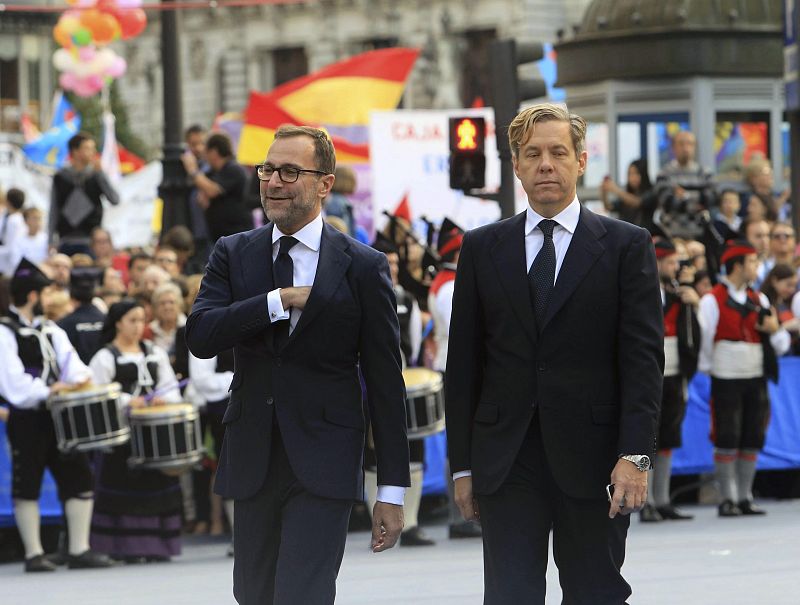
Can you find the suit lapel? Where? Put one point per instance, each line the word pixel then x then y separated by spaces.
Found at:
pixel 584 250
pixel 508 255
pixel 256 260
pixel 257 263
pixel 333 264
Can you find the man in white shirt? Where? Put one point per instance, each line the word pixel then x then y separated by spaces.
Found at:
pixel 741 339
pixel 37 361
pixel 305 309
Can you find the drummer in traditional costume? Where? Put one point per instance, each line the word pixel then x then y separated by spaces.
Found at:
pixel 410 320
pixel 37 360
pixel 138 511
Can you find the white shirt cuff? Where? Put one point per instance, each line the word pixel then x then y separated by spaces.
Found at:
pixel 461 474
pixel 391 494
pixel 275 306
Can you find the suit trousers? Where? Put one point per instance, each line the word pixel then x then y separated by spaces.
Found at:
pixel 288 542
pixel 588 547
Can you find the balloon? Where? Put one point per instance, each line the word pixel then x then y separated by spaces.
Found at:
pixel 95 81
pixel 118 68
pixel 82 37
pixel 104 60
pixel 86 53
pixel 62 36
pixel 105 29
pixel 129 3
pixel 132 22
pixel 67 80
pixel 63 60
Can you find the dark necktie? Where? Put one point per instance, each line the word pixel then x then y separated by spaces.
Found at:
pixel 543 272
pixel 283 272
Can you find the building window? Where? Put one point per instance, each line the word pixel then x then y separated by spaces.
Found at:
pixel 288 64
pixel 9 95
pixel 475 82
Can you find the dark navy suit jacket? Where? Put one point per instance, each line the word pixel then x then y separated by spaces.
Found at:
pixel 311 385
pixel 593 370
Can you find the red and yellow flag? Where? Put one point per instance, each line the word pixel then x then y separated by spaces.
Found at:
pixel 340 95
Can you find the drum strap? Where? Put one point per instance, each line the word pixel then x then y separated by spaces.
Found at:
pixel 146 370
pixel 50 371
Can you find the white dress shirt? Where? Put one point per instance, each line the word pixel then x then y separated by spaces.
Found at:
pixel 23 390
pixel 566 223
pixel 305 258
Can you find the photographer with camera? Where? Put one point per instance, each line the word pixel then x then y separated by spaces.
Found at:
pixel 685 191
pixel 681 346
pixel 741 339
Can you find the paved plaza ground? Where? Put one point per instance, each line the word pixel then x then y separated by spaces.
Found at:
pixel 709 561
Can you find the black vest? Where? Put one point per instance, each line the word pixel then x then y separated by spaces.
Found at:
pixel 29 348
pixel 127 372
pixel 405 303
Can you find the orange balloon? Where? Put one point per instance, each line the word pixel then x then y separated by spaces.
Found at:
pixel 106 29
pixel 61 36
pixel 90 19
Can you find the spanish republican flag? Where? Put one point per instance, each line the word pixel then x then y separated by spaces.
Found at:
pixel 340 95
pixel 344 93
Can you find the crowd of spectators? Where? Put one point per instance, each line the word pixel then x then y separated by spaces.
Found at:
pixel 688 206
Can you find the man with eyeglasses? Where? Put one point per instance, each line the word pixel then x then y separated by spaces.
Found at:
pixel 782 243
pixel 306 310
pixel 221 191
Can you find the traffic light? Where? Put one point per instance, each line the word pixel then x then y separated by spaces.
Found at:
pixel 467 157
pixel 509 90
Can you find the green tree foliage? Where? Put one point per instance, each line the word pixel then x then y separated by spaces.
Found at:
pixel 91 111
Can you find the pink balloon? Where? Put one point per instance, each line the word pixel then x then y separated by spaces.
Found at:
pixel 95 81
pixel 68 80
pixel 118 68
pixel 129 3
pixel 86 53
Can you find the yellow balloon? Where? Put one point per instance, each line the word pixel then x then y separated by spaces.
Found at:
pixel 69 24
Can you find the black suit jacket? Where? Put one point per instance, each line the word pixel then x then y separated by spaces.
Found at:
pixel 312 383
pixel 593 370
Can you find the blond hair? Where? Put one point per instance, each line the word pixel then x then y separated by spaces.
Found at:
pixel 520 128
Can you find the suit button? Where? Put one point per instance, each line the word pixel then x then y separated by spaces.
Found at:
pixel 542 367
pixel 270 400
pixel 278 361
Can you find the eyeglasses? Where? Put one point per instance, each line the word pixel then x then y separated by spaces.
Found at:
pixel 288 174
pixel 782 235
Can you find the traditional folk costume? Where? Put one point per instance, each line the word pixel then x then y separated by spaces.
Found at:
pixel 740 360
pixel 681 348
pixel 137 511
pixel 33 356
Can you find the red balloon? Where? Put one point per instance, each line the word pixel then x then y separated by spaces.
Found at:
pixel 132 22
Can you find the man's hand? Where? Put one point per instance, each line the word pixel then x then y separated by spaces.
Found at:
pixel 58 387
pixel 202 200
pixel 3 414
pixel 137 402
pixel 769 324
pixel 465 500
pixel 189 162
pixel 387 523
pixel 689 296
pixel 295 298
pixel 630 489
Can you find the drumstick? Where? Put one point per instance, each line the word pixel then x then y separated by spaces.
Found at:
pixel 178 385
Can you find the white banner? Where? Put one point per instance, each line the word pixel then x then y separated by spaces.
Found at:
pixel 409 155
pixel 130 223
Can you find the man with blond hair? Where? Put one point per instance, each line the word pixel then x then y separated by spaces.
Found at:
pixel 554 374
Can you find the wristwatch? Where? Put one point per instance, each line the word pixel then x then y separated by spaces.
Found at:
pixel 642 462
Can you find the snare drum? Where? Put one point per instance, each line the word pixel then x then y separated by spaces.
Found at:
pixel 425 402
pixel 165 437
pixel 88 418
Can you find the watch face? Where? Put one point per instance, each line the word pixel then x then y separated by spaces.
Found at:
pixel 644 463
